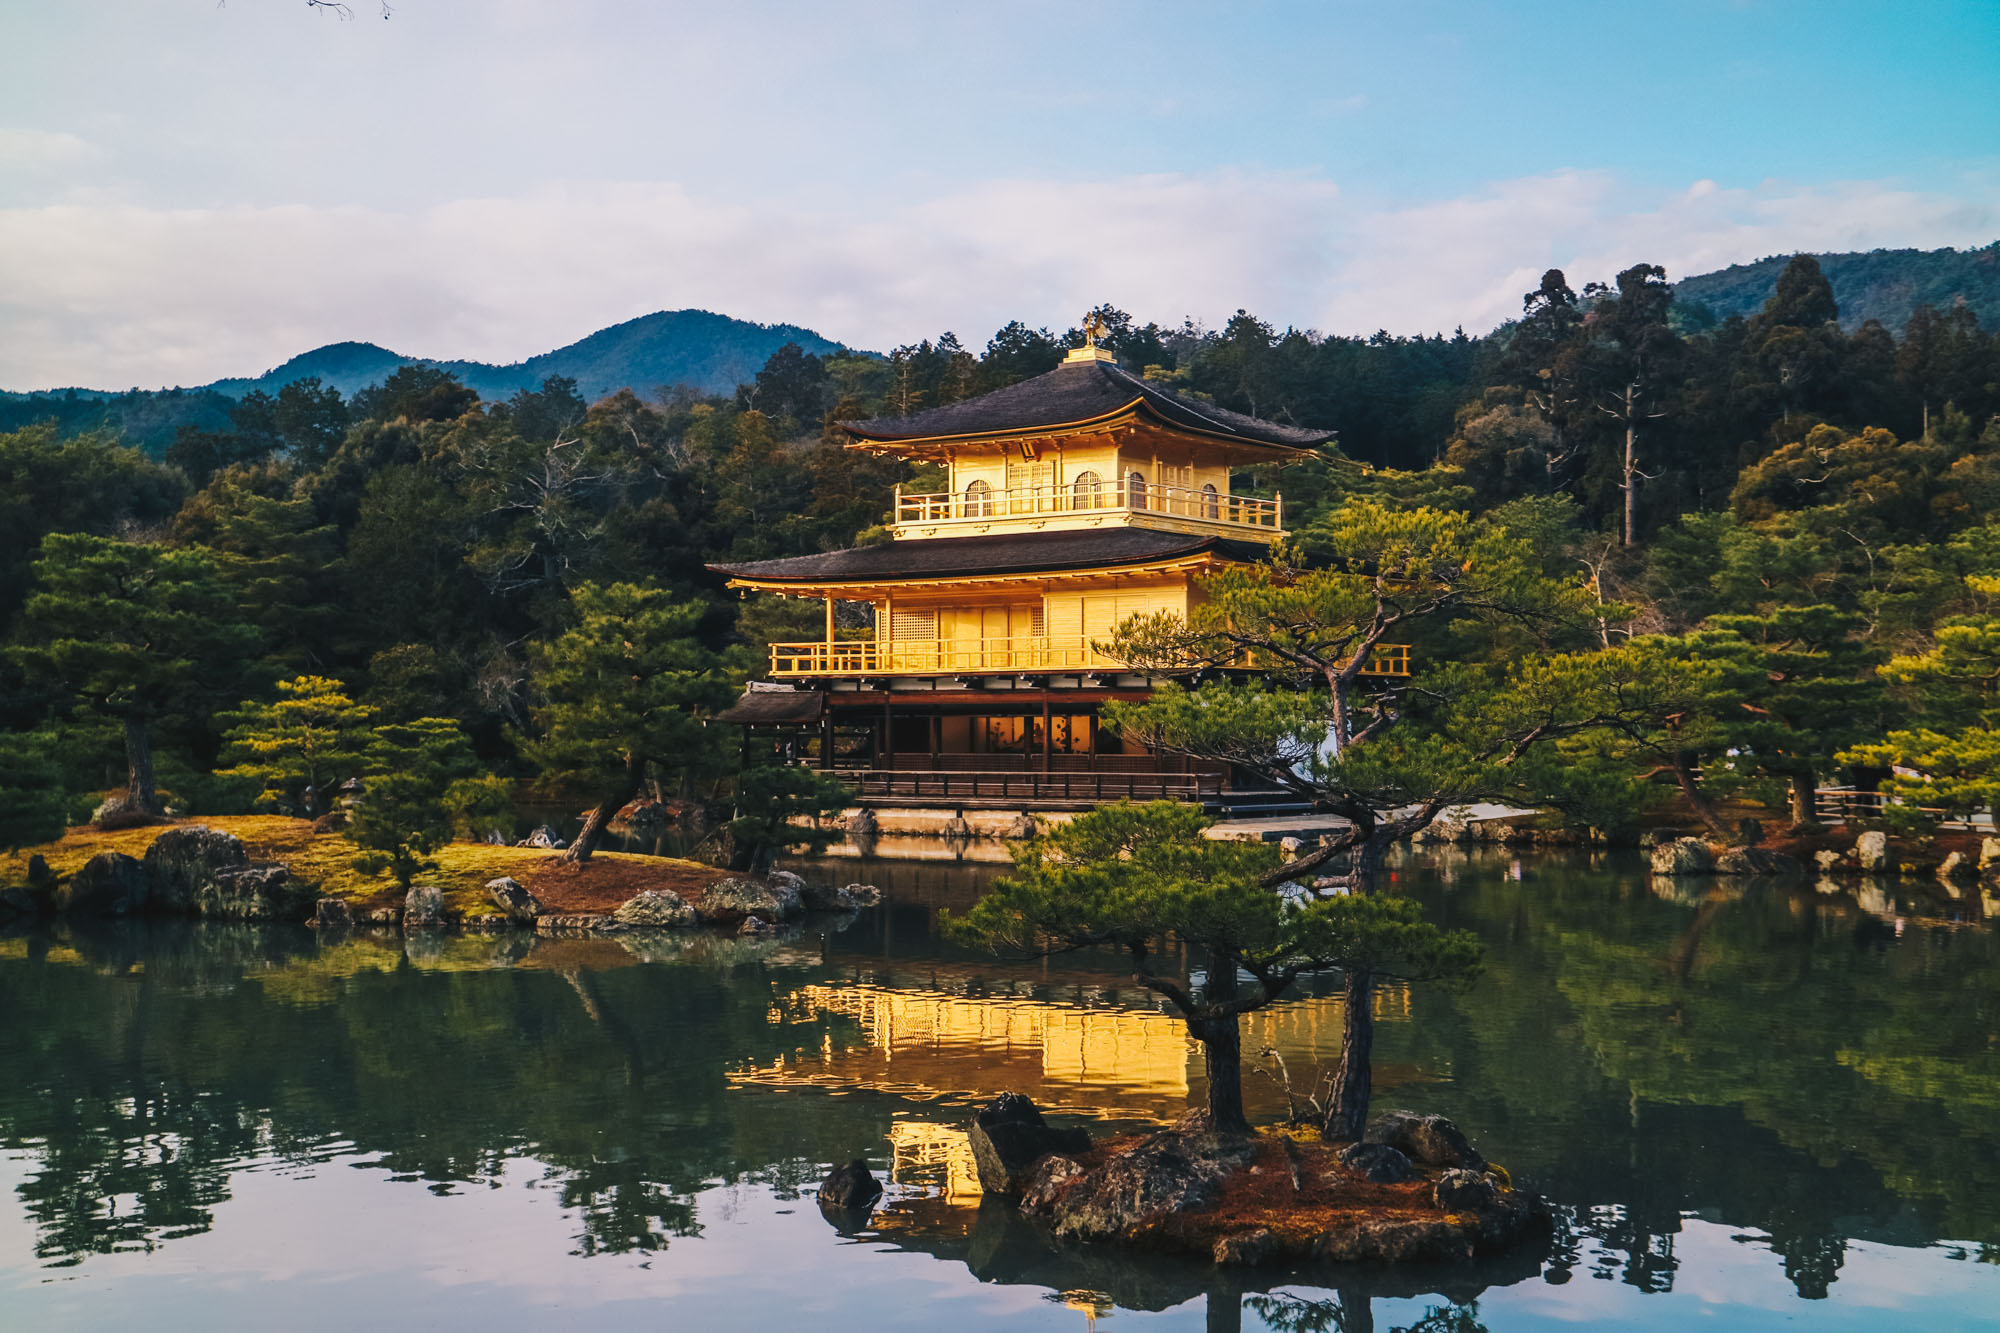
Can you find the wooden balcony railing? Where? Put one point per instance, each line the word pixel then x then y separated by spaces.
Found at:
pixel 974 505
pixel 919 657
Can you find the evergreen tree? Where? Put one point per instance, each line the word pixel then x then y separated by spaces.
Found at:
pixel 301 744
pixel 1129 876
pixel 135 634
pixel 624 688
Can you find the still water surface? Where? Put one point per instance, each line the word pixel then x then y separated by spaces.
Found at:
pixel 1772 1107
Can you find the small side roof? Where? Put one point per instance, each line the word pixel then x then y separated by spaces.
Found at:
pixel 768 704
pixel 1078 393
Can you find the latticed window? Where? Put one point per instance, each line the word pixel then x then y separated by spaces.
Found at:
pixel 1087 491
pixel 978 499
pixel 1135 488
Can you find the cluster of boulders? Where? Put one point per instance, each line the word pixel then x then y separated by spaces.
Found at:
pixel 188 871
pixel 1693 856
pixel 1873 853
pixel 1457 827
pixel 194 870
pixel 1172 1189
pixel 749 906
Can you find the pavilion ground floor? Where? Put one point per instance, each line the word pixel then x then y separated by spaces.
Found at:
pixel 1012 745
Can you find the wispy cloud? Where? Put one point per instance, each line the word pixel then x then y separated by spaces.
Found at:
pixel 114 295
pixel 31 149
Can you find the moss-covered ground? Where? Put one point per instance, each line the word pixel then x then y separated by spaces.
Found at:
pixel 325 860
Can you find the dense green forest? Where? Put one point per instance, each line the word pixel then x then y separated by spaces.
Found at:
pixel 1797 516
pixel 1886 286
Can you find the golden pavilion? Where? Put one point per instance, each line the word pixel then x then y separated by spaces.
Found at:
pixel 1074 500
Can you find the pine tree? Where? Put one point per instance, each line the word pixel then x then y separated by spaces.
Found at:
pixel 626 687
pixel 135 634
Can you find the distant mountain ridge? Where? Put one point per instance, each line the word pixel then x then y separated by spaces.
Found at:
pixel 712 352
pixel 1884 285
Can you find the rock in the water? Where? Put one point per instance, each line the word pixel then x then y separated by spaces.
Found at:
pixel 1757 861
pixel 576 923
pixel 1465 1192
pixel 1683 856
pixel 956 829
pixel 1989 853
pixel 1378 1162
pixel 656 908
pixel 845 898
pixel 731 900
pixel 755 925
pixel 850 1186
pixel 1956 868
pixel 544 837
pixel 1008 1136
pixel 863 824
pixel 182 865
pixel 1173 1171
pixel 514 900
pixel 1250 1247
pixel 1430 1140
pixel 255 893
pixel 1024 827
pixel 423 906
pixel 1827 860
pixel 1871 849
pixel 109 884
pixel 331 914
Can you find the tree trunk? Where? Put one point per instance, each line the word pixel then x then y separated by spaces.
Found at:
pixel 1805 798
pixel 593 827
pixel 1222 1048
pixel 1354 1079
pixel 1684 775
pixel 1631 470
pixel 139 784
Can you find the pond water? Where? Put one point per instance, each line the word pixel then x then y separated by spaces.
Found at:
pixel 1759 1108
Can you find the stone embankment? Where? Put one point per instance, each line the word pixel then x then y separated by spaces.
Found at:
pixel 1872 854
pixel 1413 1190
pixel 194 870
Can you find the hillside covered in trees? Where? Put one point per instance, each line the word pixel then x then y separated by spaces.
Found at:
pixel 1886 286
pixel 1797 519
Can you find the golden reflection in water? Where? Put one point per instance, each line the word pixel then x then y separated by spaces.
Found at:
pixel 932 1044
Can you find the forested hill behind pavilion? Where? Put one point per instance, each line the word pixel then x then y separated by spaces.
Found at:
pixel 707 352
pixel 1883 285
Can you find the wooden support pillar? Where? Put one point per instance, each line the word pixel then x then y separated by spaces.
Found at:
pixel 826 741
pixel 1048 731
pixel 888 734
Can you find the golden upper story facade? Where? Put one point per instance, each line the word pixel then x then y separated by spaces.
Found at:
pixel 1074 501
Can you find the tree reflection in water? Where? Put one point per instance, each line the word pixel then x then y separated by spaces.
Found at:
pixel 1808 1068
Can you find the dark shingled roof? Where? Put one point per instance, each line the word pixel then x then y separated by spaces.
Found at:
pixel 774 706
pixel 1080 391
pixel 1007 553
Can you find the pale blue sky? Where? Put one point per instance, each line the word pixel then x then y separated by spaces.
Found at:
pixel 189 190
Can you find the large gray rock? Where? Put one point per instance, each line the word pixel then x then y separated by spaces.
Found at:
pixel 656 908
pixel 1872 851
pixel 1009 1136
pixel 514 901
pixel 423 907
pixel 731 900
pixel 1683 856
pixel 1377 1162
pixel 109 884
pixel 182 865
pixel 1743 861
pixel 332 914
pixel 1429 1140
pixel 1461 1191
pixel 1989 853
pixel 544 837
pixel 1957 868
pixel 1175 1170
pixel 255 893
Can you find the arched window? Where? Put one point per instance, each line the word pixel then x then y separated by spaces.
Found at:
pixel 1211 501
pixel 1087 492
pixel 978 499
pixel 1135 490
